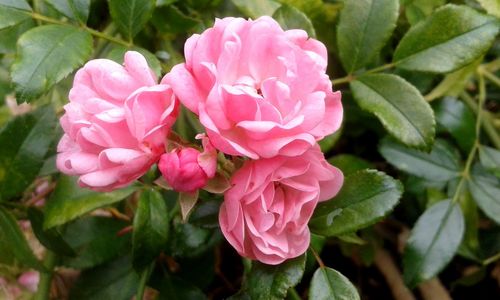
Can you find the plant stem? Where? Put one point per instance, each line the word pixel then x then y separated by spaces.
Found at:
pixel 486 120
pixel 318 259
pixel 144 280
pixel 470 158
pixel 45 283
pixel 96 33
pixel 292 294
pixel 351 77
pixel 491 77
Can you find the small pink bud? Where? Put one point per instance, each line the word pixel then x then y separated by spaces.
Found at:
pixel 184 171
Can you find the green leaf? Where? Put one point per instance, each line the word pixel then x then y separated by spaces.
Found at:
pixel 441 164
pixel 398 105
pixel 18 4
pixel 433 242
pixel 329 284
pixel 366 197
pixel 349 163
pixel 10 16
pixel 172 20
pixel 491 6
pixel 69 201
pixel 187 240
pixel 490 158
pixel 43 48
pixel 25 141
pixel 14 242
pixel 485 190
pixel 118 52
pixel 52 238
pixel 10 35
pixel 267 282
pixel 449 39
pixel 150 228
pixel 458 120
pixel 95 240
pixel 291 18
pixel 364 28
pixel 73 9
pixel 130 16
pixel 116 280
pixel 256 8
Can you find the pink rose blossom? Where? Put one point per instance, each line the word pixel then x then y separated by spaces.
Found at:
pixel 266 211
pixel 188 169
pixel 116 122
pixel 259 91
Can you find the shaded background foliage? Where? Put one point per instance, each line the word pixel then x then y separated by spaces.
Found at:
pixel 417 217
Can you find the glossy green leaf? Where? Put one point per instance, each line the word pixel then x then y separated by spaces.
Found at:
pixel 256 8
pixel 73 9
pixel 366 197
pixel 206 214
pixel 398 105
pixel 268 282
pixel 118 52
pixel 490 158
pixel 485 190
pixel 51 238
pixel 14 242
pixel 449 39
pixel 17 4
pixel 458 120
pixel 25 141
pixel 150 228
pixel 349 163
pixel 130 16
pixel 364 27
pixel 69 201
pixel 187 240
pixel 491 6
pixel 40 50
pixel 329 284
pixel 95 240
pixel 433 242
pixel 441 164
pixel 116 280
pixel 291 18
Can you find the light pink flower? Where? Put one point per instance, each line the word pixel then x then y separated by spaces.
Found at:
pixel 187 169
pixel 116 122
pixel 265 213
pixel 258 90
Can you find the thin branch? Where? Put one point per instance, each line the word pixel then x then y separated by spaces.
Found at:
pixel 96 33
pixel 392 275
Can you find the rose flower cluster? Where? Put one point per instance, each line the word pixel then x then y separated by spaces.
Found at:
pixel 260 92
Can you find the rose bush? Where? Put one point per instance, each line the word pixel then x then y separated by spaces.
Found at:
pixel 116 123
pixel 193 169
pixel 259 91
